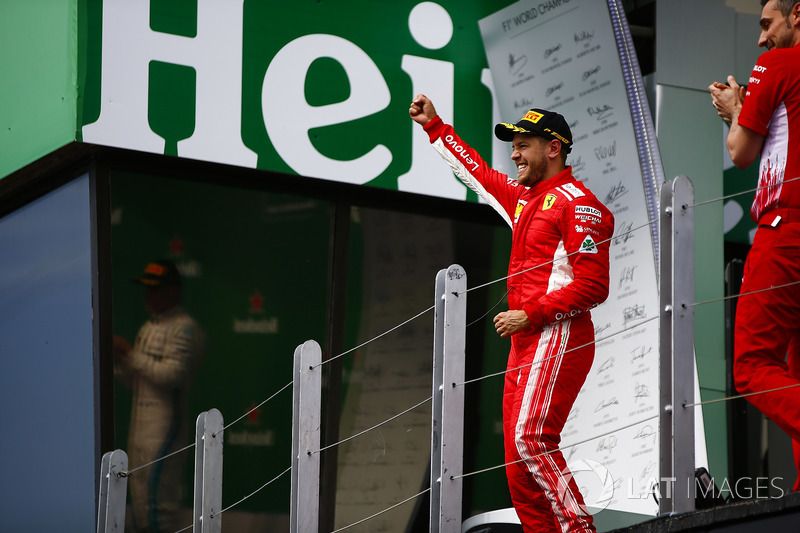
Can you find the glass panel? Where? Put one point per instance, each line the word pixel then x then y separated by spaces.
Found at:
pixel 254 269
pixel 394 258
pixel 47 383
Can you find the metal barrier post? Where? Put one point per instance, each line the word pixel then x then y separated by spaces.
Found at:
pixel 208 473
pixel 676 347
pixel 113 490
pixel 306 426
pixel 447 424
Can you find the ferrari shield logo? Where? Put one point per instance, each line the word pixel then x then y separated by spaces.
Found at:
pixel 549 200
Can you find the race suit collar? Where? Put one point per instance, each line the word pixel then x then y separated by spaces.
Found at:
pixel 562 177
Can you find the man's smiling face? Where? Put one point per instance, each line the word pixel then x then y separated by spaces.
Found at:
pixel 529 155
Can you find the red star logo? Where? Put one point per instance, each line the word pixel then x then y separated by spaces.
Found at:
pixel 252 416
pixel 176 247
pixel 256 300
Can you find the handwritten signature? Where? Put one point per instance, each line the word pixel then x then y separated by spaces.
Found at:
pixel 606 152
pixel 641 391
pixel 633 312
pixel 525 102
pixel 554 88
pixel 640 352
pixel 600 112
pixel 584 36
pixel 645 432
pixel 605 404
pixel 515 64
pixel 625 233
pixel 600 329
pixel 550 51
pixel 617 191
pixel 591 72
pixel 607 444
pixel 607 365
pixel 626 276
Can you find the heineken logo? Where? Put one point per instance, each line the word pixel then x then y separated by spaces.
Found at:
pixel 228 82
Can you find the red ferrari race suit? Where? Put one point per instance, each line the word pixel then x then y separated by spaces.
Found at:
pixel 558 270
pixel 768 322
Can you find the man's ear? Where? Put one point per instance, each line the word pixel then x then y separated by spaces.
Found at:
pixel 554 149
pixel 796 13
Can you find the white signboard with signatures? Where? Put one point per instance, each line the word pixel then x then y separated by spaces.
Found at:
pixel 562 55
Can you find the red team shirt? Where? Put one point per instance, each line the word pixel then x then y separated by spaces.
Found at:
pixel 772 108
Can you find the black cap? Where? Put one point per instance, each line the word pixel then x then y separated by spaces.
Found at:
pixel 159 273
pixel 539 122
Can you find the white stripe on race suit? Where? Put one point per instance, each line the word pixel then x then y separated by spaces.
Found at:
pixel 565 193
pixel 561 274
pixel 546 354
pixel 466 177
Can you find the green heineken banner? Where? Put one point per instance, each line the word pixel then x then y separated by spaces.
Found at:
pixel 320 89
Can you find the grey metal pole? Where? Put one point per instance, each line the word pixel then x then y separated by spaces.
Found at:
pixel 306 427
pixel 676 340
pixel 436 402
pixel 113 490
pixel 208 472
pixel 453 348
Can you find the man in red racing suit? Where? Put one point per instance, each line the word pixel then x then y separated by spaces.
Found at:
pixel 558 270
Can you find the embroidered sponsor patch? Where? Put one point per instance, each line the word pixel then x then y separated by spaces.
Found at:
pixel 588 215
pixel 588 246
pixel 520 206
pixel 532 116
pixel 584 229
pixel 573 190
pixel 586 210
pixel 549 200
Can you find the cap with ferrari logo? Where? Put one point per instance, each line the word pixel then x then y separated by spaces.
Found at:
pixel 539 122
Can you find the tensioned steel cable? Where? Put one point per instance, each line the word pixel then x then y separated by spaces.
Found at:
pixel 741 193
pixel 381 512
pixel 375 338
pixel 398 415
pixel 554 356
pixel 190 526
pixel 562 257
pixel 132 470
pixel 546 263
pixel 560 448
pixel 490 309
pixel 254 492
pixel 737 396
pixel 733 296
pixel 254 408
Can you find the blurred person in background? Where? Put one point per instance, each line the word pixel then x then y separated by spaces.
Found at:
pixel 158 367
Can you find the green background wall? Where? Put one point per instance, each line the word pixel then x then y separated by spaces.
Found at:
pixel 39 43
